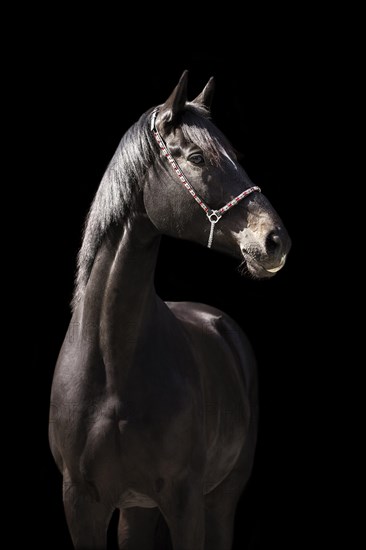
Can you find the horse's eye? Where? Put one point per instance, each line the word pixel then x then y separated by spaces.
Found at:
pixel 196 158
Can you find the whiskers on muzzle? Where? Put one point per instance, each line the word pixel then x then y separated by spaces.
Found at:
pixel 253 252
pixel 244 271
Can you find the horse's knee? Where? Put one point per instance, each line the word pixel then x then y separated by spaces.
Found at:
pixel 87 518
pixel 138 528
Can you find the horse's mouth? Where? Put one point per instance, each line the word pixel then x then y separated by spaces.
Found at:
pixel 258 269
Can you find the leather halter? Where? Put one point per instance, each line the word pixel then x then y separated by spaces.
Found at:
pixel 213 215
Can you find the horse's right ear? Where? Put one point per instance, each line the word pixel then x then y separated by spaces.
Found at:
pixel 175 103
pixel 205 97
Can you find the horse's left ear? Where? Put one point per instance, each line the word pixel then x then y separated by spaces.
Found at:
pixel 175 103
pixel 205 97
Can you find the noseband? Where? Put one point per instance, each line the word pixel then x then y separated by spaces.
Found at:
pixel 213 215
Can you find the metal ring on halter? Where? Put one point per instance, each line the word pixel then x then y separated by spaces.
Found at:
pixel 214 213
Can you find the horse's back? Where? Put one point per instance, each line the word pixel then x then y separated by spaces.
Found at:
pixel 206 323
pixel 229 384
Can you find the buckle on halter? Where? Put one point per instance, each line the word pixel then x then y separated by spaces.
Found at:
pixel 153 118
pixel 216 217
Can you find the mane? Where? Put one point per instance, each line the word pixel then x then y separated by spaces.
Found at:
pixel 116 197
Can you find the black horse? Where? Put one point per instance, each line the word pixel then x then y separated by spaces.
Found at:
pixel 154 404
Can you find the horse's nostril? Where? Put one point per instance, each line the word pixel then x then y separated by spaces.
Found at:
pixel 273 241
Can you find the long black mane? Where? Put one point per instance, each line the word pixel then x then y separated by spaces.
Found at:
pixel 116 196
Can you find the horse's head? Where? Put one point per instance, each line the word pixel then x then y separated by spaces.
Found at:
pixel 198 191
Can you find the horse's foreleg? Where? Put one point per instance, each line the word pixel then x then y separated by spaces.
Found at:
pixel 137 528
pixel 183 510
pixel 87 519
pixel 220 507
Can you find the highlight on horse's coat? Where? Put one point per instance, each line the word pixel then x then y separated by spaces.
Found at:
pixel 164 414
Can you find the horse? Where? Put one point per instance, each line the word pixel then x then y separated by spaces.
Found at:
pixel 154 407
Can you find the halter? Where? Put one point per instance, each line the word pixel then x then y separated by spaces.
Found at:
pixel 213 215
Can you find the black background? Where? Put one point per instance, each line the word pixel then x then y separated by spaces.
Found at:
pixel 86 85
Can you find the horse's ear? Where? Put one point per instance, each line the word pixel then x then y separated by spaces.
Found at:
pixel 205 97
pixel 175 103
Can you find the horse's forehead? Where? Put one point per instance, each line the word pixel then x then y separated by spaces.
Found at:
pixel 176 137
pixel 180 143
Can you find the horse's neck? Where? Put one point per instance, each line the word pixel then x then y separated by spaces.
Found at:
pixel 120 299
